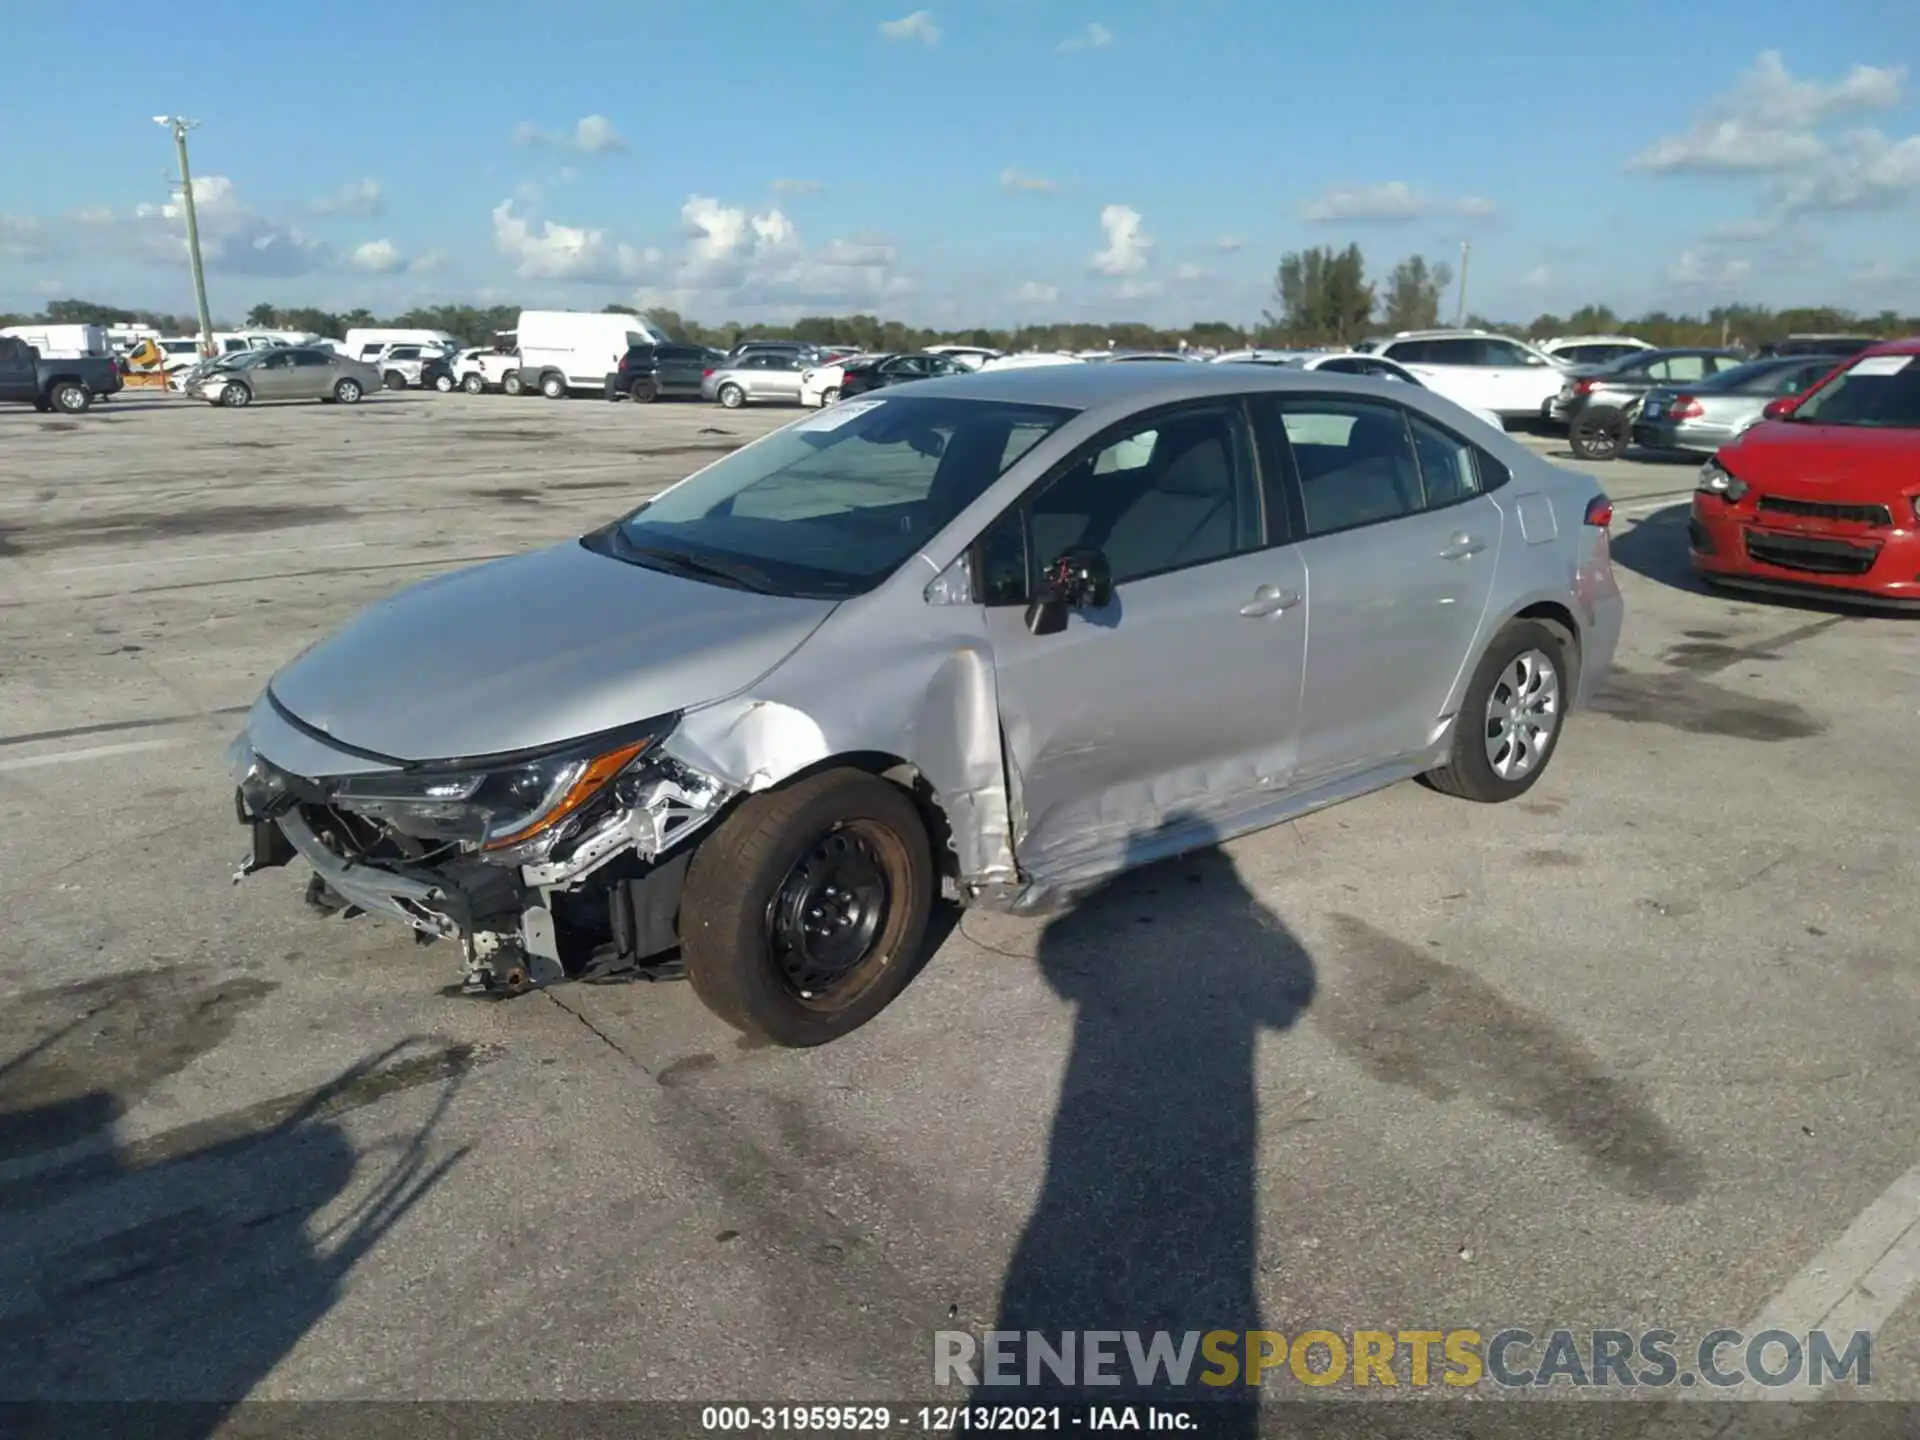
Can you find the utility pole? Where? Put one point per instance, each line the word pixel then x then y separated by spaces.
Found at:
pixel 1460 310
pixel 180 128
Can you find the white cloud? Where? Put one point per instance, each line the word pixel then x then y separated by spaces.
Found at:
pixel 1863 170
pixel 1767 121
pixel 1017 182
pixel 1034 293
pixel 592 135
pixel 1391 203
pixel 1229 244
pixel 382 257
pixel 427 261
pixel 362 200
pixel 1190 274
pixel 1538 278
pixel 1094 36
pixel 234 237
pixel 1703 267
pixel 797 187
pixel 917 28
pixel 563 252
pixel 1128 244
pixel 1748 228
pixel 1136 289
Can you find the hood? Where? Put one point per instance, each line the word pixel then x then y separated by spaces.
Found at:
pixel 535 650
pixel 1844 464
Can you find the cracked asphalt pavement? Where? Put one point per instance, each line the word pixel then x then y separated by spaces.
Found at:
pixel 1625 1054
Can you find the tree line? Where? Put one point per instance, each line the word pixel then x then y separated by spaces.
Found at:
pixel 1321 296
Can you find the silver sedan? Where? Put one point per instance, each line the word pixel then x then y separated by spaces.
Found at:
pixel 999 636
pixel 759 375
pixel 286 374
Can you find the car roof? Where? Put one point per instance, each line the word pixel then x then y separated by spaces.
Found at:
pixel 1125 388
pixel 1908 346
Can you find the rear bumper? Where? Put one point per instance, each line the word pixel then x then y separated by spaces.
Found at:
pixel 1734 545
pixel 1680 435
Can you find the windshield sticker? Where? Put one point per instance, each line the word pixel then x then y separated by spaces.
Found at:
pixel 1882 364
pixel 834 416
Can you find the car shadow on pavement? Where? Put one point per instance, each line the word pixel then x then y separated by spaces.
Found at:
pixel 147 1286
pixel 1147 1218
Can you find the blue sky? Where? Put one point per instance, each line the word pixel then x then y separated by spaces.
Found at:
pixel 963 161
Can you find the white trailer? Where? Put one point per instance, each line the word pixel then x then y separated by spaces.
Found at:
pixel 62 342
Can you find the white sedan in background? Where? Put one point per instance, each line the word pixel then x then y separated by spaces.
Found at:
pixel 821 385
pixel 1358 363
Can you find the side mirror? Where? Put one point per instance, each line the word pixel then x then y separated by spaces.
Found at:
pixel 1780 409
pixel 1079 579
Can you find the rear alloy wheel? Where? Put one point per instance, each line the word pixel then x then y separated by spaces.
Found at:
pixel 643 392
pixel 829 396
pixel 473 385
pixel 236 396
pixel 512 386
pixel 395 380
pixel 804 913
pixel 553 387
pixel 1598 434
pixel 731 396
pixel 347 392
pixel 70 398
pixel 443 383
pixel 1510 717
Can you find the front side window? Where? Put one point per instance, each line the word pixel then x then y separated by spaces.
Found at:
pixel 1505 352
pixel 832 505
pixel 1182 491
pixel 1354 461
pixel 307 358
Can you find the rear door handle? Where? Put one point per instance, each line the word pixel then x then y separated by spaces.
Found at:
pixel 1270 600
pixel 1461 546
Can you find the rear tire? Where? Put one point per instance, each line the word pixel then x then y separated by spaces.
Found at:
pixel 553 387
pixel 1511 716
pixel 443 383
pixel 512 386
pixel 70 398
pixel 803 914
pixel 643 392
pixel 731 396
pixel 347 392
pixel 829 396
pixel 1599 434
pixel 473 385
pixel 395 380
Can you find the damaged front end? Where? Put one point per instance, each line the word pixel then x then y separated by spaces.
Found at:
pixel 542 866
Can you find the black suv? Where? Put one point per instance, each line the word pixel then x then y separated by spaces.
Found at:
pixel 878 371
pixel 648 372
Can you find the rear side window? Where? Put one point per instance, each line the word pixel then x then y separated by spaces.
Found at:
pixel 1456 352
pixel 1353 461
pixel 1410 352
pixel 1449 470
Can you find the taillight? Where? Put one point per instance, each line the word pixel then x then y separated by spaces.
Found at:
pixel 1600 512
pixel 706 374
pixel 1685 407
pixel 1584 387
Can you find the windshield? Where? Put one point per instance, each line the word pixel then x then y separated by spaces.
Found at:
pixel 1880 391
pixel 833 504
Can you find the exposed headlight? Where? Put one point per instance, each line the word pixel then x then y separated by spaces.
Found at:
pixel 512 813
pixel 1716 479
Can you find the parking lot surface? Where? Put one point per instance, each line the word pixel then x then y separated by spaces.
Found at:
pixel 1633 1052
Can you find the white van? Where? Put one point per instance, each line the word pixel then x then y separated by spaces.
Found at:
pixel 62 342
pixel 367 344
pixel 563 351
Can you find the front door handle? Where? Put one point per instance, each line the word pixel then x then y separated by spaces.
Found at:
pixel 1270 600
pixel 1462 545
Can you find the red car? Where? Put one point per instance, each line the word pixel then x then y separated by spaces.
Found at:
pixel 1823 496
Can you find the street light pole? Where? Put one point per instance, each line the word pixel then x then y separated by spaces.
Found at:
pixel 180 128
pixel 1460 310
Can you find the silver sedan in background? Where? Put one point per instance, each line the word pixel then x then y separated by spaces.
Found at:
pixel 1718 410
pixel 991 638
pixel 758 375
pixel 299 373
